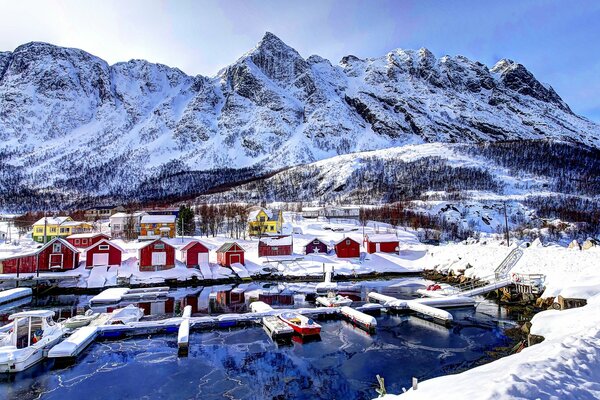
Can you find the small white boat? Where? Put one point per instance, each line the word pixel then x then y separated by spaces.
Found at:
pixel 125 315
pixel 80 320
pixel 276 326
pixel 334 300
pixel 24 343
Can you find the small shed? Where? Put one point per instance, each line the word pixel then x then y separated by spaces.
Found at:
pixel 58 255
pixel 194 254
pixel 316 246
pixel 230 253
pixel 275 246
pixel 386 243
pixel 157 255
pixel 103 253
pixel 347 248
pixel 85 240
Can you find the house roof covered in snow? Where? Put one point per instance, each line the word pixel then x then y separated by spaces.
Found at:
pixel 61 241
pixel 272 215
pixel 382 238
pixel 311 241
pixel 52 220
pixel 74 223
pixel 85 235
pixel 192 244
pixel 346 238
pixel 104 241
pixel 276 241
pixel 158 219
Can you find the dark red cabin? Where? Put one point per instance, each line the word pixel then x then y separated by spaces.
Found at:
pixel 194 254
pixel 58 255
pixel 315 246
pixel 103 253
pixel 230 253
pixel 382 243
pixel 156 256
pixel 275 246
pixel 85 240
pixel 18 264
pixel 347 248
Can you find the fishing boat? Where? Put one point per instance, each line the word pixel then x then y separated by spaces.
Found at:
pixel 334 300
pixel 29 334
pixel 80 320
pixel 300 324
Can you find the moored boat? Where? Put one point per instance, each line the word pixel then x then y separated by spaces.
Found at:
pixel 24 344
pixel 334 300
pixel 80 320
pixel 300 324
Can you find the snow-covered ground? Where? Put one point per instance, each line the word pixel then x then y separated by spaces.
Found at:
pixel 566 365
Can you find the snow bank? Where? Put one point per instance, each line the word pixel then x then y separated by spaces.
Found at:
pixel 566 365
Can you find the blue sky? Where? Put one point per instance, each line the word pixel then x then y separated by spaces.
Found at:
pixel 559 41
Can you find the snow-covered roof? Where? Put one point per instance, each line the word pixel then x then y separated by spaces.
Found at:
pixel 313 239
pixel 126 215
pixel 382 238
pixel 74 223
pixel 272 215
pixel 158 219
pixel 61 241
pixel 154 241
pixel 346 238
pixel 104 241
pixel 52 220
pixel 192 244
pixel 85 235
pixel 277 241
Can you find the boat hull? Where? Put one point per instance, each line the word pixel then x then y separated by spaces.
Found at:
pixel 23 359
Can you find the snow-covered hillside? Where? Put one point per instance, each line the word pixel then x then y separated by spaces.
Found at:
pixel 68 120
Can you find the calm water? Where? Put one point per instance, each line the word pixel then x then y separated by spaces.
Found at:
pixel 246 364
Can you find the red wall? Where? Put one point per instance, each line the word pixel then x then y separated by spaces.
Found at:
pixel 146 256
pixel 224 259
pixel 385 247
pixel 88 241
pixel 22 264
pixel 70 259
pixel 266 250
pixel 114 255
pixel 343 250
pixel 190 256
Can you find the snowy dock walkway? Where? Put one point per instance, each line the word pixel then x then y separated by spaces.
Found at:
pixel 74 344
pixel 116 295
pixel 10 295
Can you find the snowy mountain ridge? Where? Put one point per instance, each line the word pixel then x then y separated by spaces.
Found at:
pixel 71 122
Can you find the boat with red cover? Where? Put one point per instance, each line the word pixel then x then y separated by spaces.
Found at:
pixel 300 324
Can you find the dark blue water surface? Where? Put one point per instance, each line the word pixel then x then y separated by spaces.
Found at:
pixel 245 363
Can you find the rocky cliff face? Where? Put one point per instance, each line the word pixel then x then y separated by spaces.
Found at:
pixel 67 118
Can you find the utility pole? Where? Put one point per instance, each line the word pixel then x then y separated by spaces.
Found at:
pixel 45 227
pixel 506 226
pixel 181 224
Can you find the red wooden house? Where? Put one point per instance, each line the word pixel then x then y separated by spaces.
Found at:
pixel 230 253
pixel 194 254
pixel 156 256
pixel 84 240
pixel 103 253
pixel 58 255
pixel 275 246
pixel 347 248
pixel 18 263
pixel 382 243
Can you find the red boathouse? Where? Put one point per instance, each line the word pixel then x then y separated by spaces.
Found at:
pixel 58 255
pixel 347 248
pixel 194 254
pixel 103 253
pixel 156 256
pixel 85 240
pixel 382 243
pixel 230 253
pixel 18 263
pixel 275 246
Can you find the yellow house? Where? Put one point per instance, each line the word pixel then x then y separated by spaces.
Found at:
pixel 58 227
pixel 157 226
pixel 265 222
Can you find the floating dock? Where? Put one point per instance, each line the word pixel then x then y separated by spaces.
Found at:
pixel 10 295
pixel 183 335
pixel 116 295
pixel 361 319
pixel 74 344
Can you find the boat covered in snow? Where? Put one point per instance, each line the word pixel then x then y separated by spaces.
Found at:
pixel 334 300
pixel 300 324
pixel 80 320
pixel 23 343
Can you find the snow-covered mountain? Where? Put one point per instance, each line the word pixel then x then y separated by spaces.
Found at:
pixel 71 123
